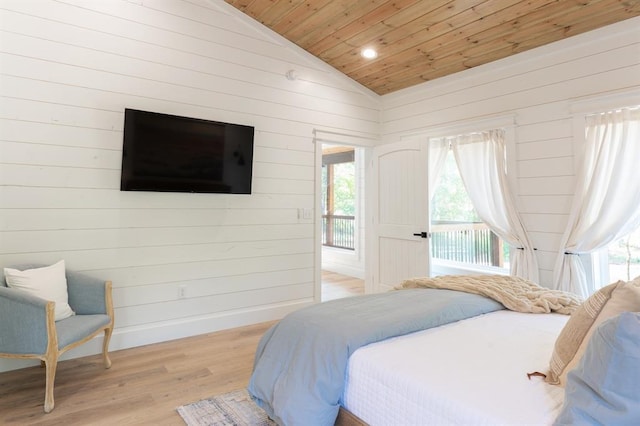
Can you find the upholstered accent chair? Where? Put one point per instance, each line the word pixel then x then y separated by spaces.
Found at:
pixel 28 329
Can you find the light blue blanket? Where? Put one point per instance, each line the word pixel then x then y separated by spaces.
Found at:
pixel 301 362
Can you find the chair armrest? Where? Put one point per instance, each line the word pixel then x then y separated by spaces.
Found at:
pixel 88 295
pixel 23 322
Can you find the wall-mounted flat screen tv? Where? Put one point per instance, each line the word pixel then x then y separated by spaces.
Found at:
pixel 170 153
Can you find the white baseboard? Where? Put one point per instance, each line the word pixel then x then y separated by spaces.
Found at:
pixel 161 332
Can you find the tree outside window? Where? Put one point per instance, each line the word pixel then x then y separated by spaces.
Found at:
pixel 338 198
pixel 458 233
pixel 624 258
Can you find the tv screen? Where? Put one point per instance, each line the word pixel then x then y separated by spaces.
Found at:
pixel 170 153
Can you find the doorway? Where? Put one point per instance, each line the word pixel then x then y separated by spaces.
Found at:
pixel 342 207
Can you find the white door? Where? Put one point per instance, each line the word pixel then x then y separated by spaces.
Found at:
pixel 400 249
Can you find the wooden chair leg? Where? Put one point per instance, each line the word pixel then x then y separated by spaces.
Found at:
pixel 105 347
pixel 51 365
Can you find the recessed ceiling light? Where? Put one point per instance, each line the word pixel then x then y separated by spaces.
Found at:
pixel 369 53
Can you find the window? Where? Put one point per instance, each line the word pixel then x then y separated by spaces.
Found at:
pixel 338 197
pixel 608 233
pixel 458 234
pixel 624 258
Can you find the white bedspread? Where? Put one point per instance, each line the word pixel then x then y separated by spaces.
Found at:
pixel 472 372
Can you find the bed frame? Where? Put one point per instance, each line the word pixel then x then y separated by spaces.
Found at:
pixel 346 418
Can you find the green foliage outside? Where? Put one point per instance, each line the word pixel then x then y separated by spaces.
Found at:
pixel 450 201
pixel 344 189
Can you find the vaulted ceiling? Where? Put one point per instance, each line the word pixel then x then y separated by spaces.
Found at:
pixel 421 40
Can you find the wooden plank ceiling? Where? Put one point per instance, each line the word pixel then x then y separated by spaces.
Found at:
pixel 421 40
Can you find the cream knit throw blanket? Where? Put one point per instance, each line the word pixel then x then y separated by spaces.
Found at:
pixel 515 293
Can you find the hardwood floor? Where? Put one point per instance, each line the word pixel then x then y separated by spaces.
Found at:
pixel 337 286
pixel 145 384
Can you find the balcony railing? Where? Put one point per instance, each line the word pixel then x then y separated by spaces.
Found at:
pixel 469 242
pixel 466 242
pixel 338 231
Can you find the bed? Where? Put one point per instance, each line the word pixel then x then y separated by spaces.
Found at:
pixel 472 371
pixel 437 355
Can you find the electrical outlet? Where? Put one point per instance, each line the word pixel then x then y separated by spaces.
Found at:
pixel 182 291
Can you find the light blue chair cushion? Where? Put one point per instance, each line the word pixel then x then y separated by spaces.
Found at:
pixel 78 327
pixel 604 389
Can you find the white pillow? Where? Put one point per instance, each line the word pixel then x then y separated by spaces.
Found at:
pixel 48 283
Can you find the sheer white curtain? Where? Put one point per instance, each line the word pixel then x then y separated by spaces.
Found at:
pixel 606 204
pixel 481 159
pixel 438 150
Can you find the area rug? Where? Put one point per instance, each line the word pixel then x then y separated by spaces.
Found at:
pixel 230 409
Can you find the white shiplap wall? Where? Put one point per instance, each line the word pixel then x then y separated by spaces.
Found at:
pixel 69 68
pixel 539 88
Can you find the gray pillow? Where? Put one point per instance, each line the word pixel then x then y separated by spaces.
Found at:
pixel 605 386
